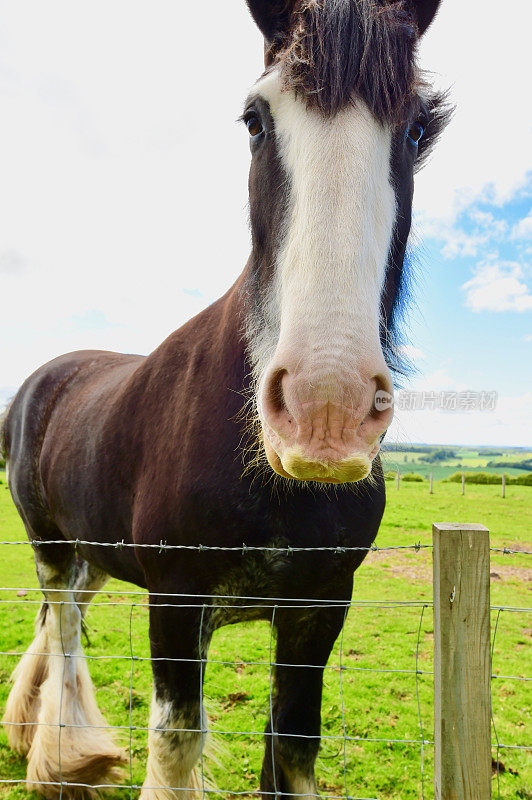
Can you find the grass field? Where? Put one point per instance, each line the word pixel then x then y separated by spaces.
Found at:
pixel 377 704
pixel 466 460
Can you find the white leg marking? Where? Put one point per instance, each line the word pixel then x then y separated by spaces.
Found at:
pixel 302 786
pixel 174 747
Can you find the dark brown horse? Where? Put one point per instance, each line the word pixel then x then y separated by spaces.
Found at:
pixel 104 447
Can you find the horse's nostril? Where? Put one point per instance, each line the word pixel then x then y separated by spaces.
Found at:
pixel 274 392
pixel 382 403
pixel 383 382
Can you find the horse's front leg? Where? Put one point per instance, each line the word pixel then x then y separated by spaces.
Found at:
pixel 304 644
pixel 180 637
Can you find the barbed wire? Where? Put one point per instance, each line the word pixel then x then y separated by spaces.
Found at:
pixel 163 546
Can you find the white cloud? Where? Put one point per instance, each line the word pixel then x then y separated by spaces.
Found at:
pixel 11 261
pixel 465 237
pixel 475 159
pixel 523 228
pixel 411 352
pixel 126 182
pixel 498 287
pixel 460 243
pixel 485 220
pixel 436 381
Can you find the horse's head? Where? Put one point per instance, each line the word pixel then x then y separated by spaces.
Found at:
pixel 337 122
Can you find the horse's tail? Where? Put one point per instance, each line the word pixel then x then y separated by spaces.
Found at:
pixel 3 432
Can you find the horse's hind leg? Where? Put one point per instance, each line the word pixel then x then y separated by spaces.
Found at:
pixel 89 581
pixel 70 743
pixel 23 704
pixel 22 708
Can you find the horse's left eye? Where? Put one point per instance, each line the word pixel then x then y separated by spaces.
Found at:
pixel 415 132
pixel 254 126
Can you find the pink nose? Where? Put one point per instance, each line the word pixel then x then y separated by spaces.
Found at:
pixel 325 425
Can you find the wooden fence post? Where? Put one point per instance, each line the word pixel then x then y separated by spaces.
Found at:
pixel 462 662
pixel 431 481
pixel 463 483
pixel 398 478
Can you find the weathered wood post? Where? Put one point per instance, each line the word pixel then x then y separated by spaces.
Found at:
pixel 398 478
pixel 503 485
pixel 431 481
pixel 462 662
pixel 463 483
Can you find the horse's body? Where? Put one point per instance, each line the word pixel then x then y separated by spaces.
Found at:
pixel 141 475
pixel 109 448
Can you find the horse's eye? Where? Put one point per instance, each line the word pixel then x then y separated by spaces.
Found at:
pixel 415 132
pixel 254 126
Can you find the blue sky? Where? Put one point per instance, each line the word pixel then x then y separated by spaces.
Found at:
pixel 470 327
pixel 124 190
pixel 475 297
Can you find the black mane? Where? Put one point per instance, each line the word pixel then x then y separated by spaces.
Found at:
pixel 338 50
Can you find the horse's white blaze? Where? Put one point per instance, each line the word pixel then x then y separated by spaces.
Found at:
pixel 325 298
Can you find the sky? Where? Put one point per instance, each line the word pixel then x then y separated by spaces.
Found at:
pixel 123 195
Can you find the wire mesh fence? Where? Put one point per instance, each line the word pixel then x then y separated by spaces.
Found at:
pixel 377 711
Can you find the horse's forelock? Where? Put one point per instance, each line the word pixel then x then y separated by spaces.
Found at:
pixel 337 50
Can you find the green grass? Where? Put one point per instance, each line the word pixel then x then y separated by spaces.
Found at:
pixel 378 705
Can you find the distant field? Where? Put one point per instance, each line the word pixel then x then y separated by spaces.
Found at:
pixel 377 705
pixel 410 459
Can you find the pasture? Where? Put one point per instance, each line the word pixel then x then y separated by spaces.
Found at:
pixel 464 459
pixel 368 699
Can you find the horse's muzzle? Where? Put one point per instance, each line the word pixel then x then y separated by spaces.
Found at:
pixel 326 431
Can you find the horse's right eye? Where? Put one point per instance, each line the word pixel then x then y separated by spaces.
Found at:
pixel 254 126
pixel 415 132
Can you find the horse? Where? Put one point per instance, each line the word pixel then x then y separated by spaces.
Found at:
pixel 246 446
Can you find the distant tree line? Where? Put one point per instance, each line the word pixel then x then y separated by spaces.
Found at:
pixel 434 454
pixel 438 455
pixel 525 464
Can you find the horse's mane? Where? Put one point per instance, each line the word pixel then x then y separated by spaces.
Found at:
pixel 339 49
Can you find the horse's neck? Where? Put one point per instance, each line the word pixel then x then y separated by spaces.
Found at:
pixel 210 347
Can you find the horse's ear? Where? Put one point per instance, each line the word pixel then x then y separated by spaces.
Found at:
pixel 272 17
pixel 424 12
